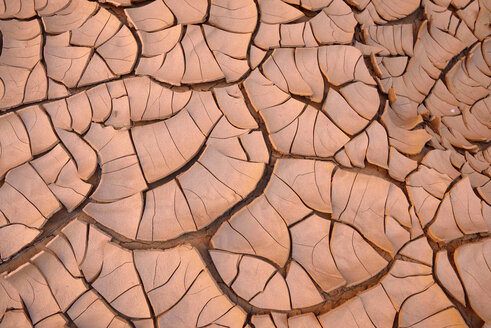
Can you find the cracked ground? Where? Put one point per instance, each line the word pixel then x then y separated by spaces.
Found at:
pixel 245 163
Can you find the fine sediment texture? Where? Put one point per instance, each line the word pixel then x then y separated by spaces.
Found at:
pixel 245 163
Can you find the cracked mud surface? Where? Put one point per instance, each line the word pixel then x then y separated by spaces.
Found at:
pixel 245 163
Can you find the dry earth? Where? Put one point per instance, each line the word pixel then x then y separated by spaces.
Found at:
pixel 245 163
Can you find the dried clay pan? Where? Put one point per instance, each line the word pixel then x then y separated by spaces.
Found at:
pixel 245 163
